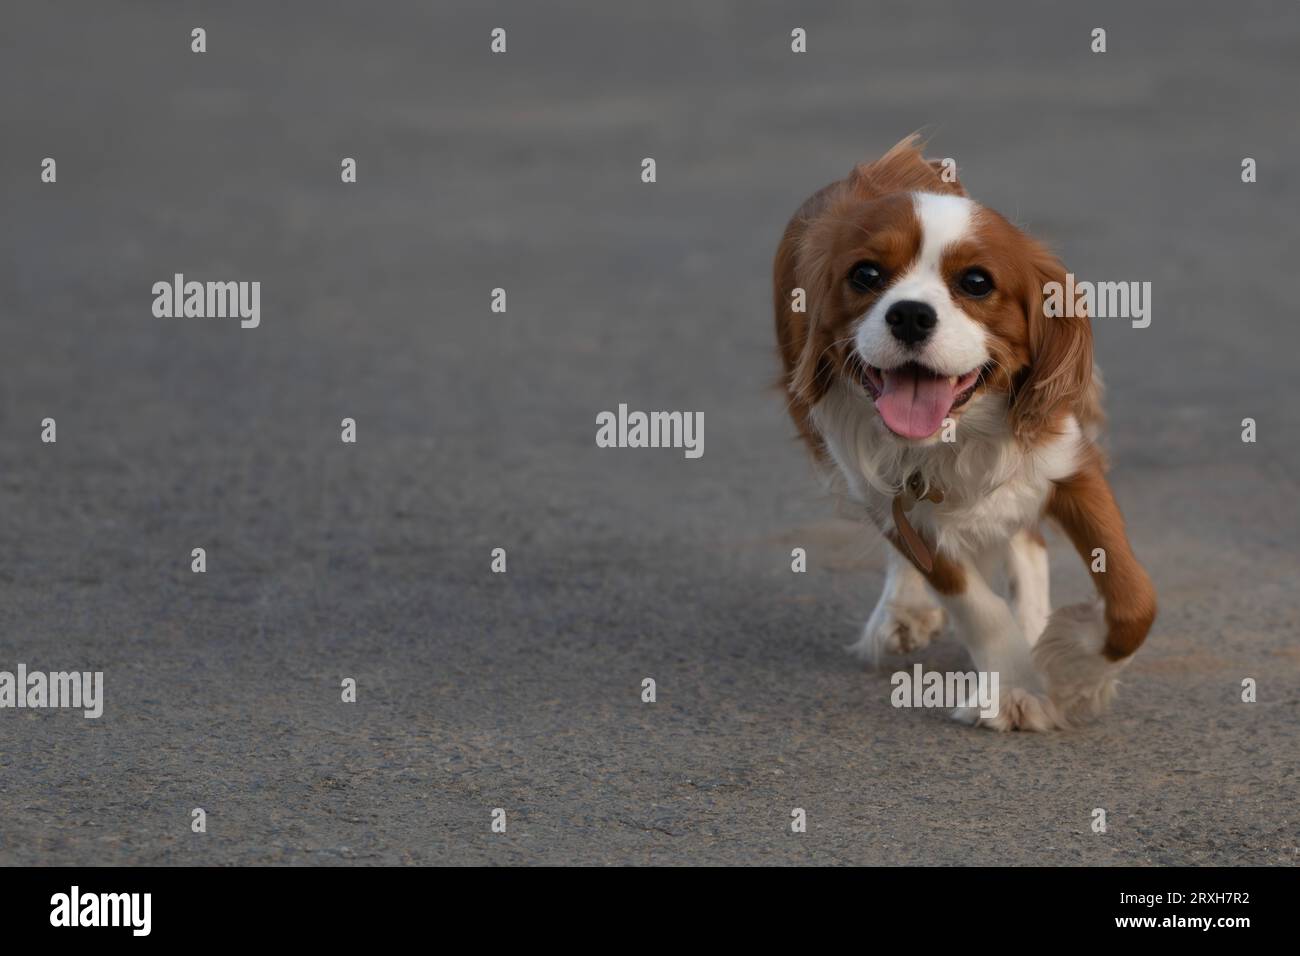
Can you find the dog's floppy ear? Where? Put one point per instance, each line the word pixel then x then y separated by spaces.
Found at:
pixel 1060 350
pixel 813 371
pixel 801 335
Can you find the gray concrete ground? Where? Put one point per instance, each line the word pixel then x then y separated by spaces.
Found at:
pixel 476 431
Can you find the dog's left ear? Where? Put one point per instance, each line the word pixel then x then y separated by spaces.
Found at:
pixel 1060 350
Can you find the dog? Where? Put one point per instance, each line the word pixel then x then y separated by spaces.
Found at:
pixel 923 371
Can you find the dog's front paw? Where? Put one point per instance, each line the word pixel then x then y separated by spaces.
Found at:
pixel 897 629
pixel 1018 709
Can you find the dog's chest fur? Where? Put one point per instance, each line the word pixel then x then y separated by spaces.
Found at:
pixel 992 486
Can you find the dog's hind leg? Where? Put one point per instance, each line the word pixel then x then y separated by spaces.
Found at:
pixel 1086 645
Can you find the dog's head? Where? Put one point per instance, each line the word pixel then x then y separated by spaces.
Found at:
pixel 924 300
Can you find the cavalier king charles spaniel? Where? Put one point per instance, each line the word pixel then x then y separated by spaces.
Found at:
pixel 924 372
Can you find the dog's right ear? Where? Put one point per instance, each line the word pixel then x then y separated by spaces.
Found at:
pixel 813 371
pixel 806 375
pixel 797 286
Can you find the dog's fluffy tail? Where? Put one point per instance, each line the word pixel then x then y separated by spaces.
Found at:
pixel 1080 678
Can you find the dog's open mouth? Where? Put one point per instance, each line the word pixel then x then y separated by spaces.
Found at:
pixel 914 400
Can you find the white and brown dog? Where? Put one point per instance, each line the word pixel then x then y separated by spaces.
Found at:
pixel 922 368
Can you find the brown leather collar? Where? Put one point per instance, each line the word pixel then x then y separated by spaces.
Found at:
pixel 903 503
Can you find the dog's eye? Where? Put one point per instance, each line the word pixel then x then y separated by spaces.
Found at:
pixel 867 277
pixel 976 283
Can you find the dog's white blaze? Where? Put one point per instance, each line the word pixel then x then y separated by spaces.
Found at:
pixel 944 220
pixel 958 343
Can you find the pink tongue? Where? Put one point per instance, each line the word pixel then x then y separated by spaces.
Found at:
pixel 914 405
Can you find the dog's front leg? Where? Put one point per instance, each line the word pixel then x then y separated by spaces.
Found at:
pixel 1028 575
pixel 983 621
pixel 906 617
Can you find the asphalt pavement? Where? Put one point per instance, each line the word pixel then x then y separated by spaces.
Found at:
pixel 475 430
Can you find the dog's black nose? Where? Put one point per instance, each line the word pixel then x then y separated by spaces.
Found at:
pixel 911 322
